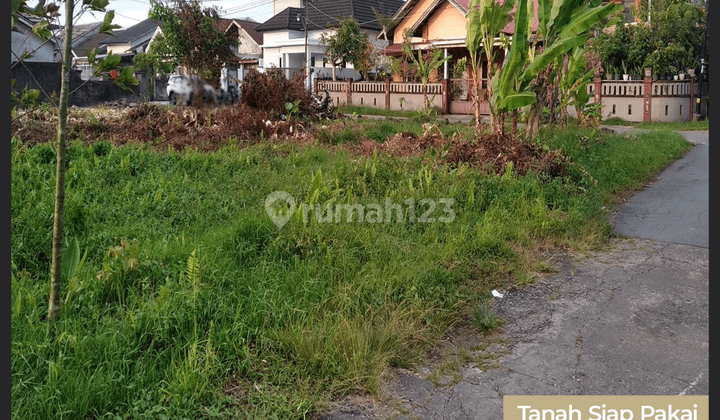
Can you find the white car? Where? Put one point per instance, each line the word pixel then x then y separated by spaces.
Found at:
pixel 188 89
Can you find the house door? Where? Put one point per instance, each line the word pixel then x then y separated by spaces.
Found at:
pixel 462 90
pixel 232 78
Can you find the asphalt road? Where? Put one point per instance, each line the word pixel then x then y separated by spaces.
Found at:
pixel 675 208
pixel 629 320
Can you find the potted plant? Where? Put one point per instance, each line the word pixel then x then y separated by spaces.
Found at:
pixel 608 72
pixel 615 72
pixel 692 66
pixel 637 73
pixel 659 63
pixel 625 74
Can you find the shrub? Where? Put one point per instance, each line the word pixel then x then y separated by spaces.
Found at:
pixel 271 90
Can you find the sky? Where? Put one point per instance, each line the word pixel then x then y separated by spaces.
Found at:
pixel 130 12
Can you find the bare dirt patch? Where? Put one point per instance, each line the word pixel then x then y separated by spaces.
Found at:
pixel 208 129
pixel 492 150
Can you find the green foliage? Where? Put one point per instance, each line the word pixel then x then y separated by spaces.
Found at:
pixel 157 58
pixel 47 13
pixel 563 26
pixel 672 38
pixel 507 91
pixel 573 85
pixel 27 99
pixel 346 44
pixel 293 108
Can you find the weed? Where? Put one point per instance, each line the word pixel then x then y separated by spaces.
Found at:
pixel 484 318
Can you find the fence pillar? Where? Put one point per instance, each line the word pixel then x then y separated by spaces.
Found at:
pixel 315 87
pixel 598 90
pixel 647 98
pixel 348 91
pixel 387 93
pixel 445 102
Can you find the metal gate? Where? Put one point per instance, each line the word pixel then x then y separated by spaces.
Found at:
pixel 160 89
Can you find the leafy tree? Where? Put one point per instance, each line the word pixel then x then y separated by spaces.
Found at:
pixel 191 37
pixel 677 28
pixel 670 41
pixel 60 263
pixel 386 22
pixel 155 61
pixel 346 44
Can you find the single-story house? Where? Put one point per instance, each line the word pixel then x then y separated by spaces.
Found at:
pixel 126 43
pixel 292 36
pixel 442 24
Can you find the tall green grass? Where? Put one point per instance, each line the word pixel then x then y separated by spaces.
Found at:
pixel 191 303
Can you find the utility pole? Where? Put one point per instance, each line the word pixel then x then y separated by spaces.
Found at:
pixel 308 84
pixel 702 58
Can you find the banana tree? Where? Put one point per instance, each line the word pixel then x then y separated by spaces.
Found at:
pixel 508 91
pixel 425 65
pixel 562 26
pixel 485 20
pixel 512 86
pixel 573 85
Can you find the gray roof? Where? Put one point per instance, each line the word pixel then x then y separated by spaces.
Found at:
pixel 323 14
pixel 138 31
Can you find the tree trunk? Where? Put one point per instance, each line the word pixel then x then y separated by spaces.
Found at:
pixel 333 72
pixel 425 100
pixel 58 225
pixel 476 98
pixel 554 100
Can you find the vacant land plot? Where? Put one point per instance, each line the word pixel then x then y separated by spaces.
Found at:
pixel 191 300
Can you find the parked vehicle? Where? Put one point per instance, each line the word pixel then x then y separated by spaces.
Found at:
pixel 188 90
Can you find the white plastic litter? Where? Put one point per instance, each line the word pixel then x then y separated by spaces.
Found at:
pixel 497 294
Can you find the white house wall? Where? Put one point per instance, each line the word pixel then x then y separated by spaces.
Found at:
pixel 280 5
pixel 247 44
pixel 45 53
pixel 290 47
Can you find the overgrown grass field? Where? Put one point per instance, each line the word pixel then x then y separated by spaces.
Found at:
pixel 189 302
